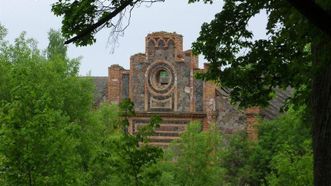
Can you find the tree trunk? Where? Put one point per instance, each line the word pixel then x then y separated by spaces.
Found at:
pixel 321 109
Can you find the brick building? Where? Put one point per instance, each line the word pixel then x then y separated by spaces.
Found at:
pixel 161 81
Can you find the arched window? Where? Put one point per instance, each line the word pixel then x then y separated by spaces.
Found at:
pixel 150 47
pixel 151 43
pixel 171 44
pixel 161 43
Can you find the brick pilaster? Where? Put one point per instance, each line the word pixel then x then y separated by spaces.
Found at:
pixel 209 100
pixel 252 122
pixel 114 83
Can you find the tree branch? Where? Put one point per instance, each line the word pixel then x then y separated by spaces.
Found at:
pixel 314 13
pixel 100 22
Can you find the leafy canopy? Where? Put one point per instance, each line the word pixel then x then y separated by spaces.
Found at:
pixel 253 68
pixel 39 97
pixel 49 132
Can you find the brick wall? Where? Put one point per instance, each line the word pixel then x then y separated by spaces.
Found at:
pixel 252 122
pixel 187 95
pixel 114 83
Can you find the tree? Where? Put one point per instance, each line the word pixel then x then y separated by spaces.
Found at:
pixel 194 159
pixel 281 156
pixel 116 157
pixel 39 97
pixel 295 54
pixel 82 19
pixel 80 28
pixel 236 159
pixel 49 134
pixel 132 154
pixel 56 46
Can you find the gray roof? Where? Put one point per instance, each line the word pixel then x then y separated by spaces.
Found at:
pixel 101 89
pixel 273 109
pixel 275 105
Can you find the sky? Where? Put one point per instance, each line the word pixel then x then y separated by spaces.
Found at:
pixel 35 17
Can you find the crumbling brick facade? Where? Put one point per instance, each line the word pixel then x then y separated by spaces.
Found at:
pixel 161 82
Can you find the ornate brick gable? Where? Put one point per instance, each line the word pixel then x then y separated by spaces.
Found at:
pixel 161 82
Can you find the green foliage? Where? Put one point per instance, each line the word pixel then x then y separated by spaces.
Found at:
pixel 96 148
pixel 132 156
pixel 112 156
pixel 194 159
pixel 39 116
pixel 56 46
pixel 291 167
pixel 253 68
pixel 281 156
pixel 294 54
pixel 3 32
pixel 79 16
pixel 49 134
pixel 236 159
pixel 197 156
pixel 284 151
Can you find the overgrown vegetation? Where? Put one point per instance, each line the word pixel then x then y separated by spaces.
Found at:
pixel 294 54
pixel 49 132
pixel 51 135
pixel 281 156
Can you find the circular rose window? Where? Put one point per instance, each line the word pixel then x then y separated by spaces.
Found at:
pixel 160 78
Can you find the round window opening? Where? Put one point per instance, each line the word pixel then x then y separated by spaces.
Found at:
pixel 162 78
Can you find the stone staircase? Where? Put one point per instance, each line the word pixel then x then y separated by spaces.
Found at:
pixel 166 133
pixel 173 124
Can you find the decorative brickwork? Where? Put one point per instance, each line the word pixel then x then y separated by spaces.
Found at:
pixel 161 82
pixel 164 45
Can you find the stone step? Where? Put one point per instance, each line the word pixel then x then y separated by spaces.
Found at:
pixel 159 144
pixel 166 133
pixel 168 127
pixel 165 124
pixel 165 139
